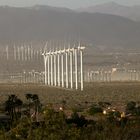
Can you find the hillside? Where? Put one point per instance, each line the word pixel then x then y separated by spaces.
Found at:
pixel 45 23
pixel 131 12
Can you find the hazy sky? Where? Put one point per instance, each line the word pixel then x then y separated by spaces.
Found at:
pixel 65 3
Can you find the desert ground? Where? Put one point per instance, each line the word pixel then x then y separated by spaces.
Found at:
pixel 116 93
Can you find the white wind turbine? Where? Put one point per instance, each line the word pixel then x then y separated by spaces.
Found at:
pixel 62 67
pixel 55 53
pixel 15 54
pixel 48 54
pixel 40 52
pixel 7 52
pixel 71 66
pixel 37 54
pixel 34 54
pixel 22 53
pixel 51 55
pixel 67 80
pixel 76 67
pixel 81 48
pixel 31 51
pixel 58 67
pixel 18 49
pixel 25 52
pixel 28 50
pixel 57 78
pixel 45 56
pixel 45 47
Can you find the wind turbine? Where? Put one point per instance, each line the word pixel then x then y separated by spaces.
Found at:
pixel 81 48
pixel 49 68
pixel 18 53
pixel 34 54
pixel 25 52
pixel 67 81
pixel 22 53
pixel 71 66
pixel 51 55
pixel 7 52
pixel 62 67
pixel 37 53
pixel 46 58
pixel 15 55
pixel 45 65
pixel 55 53
pixel 28 50
pixel 45 47
pixel 31 52
pixel 76 67
pixel 58 67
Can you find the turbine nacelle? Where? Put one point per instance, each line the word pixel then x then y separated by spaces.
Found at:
pixel 71 50
pixel 63 51
pixel 67 50
pixel 81 47
pixel 44 54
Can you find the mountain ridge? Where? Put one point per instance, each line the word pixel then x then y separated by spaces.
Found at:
pixel 132 12
pixel 19 24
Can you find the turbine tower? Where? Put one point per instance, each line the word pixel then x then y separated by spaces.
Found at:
pixel 76 68
pixel 62 67
pixel 45 56
pixel 58 67
pixel 81 48
pixel 7 52
pixel 28 52
pixel 49 68
pixel 55 53
pixel 15 55
pixel 31 51
pixel 18 53
pixel 67 81
pixel 25 52
pixel 51 55
pixel 22 53
pixel 71 67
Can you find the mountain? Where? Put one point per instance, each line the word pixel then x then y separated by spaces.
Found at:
pixel 46 7
pixel 132 12
pixel 49 23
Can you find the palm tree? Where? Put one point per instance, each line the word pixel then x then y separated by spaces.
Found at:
pixel 9 108
pixel 18 105
pixel 37 104
pixel 33 100
pixel 11 104
pixel 29 98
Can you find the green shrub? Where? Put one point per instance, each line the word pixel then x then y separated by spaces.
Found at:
pixel 104 104
pixel 113 116
pixel 138 111
pixel 133 109
pixel 94 109
pixel 130 108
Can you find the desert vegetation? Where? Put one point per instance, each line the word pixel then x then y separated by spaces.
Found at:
pixel 103 111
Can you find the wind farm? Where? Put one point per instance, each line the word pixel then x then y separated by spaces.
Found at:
pixel 63 80
pixel 69 74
